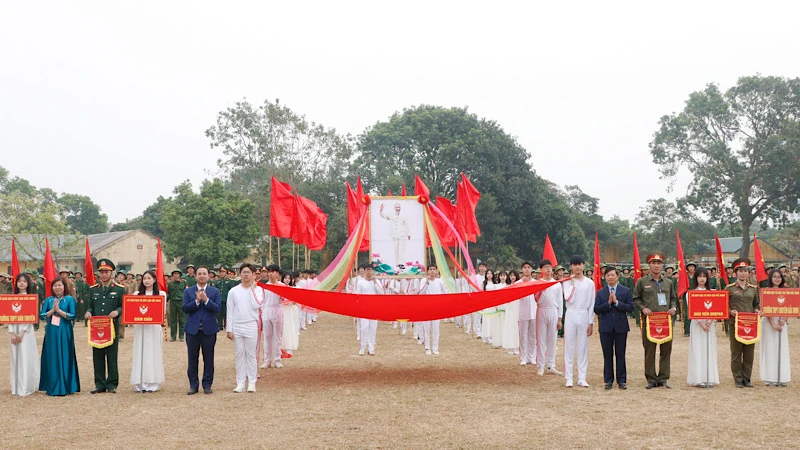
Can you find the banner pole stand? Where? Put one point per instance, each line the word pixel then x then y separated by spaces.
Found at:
pixel 708 358
pixel 779 356
pixel 16 366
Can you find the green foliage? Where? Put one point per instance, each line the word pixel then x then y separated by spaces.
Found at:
pixel 82 215
pixel 656 224
pixel 742 148
pixel 149 221
pixel 214 226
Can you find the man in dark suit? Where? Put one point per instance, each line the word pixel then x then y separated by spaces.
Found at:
pixel 201 303
pixel 612 305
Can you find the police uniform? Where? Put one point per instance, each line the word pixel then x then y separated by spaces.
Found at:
pixel 103 300
pixel 657 296
pixel 177 318
pixel 742 300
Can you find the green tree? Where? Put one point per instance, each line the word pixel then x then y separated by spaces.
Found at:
pixel 742 148
pixel 149 221
pixel 438 144
pixel 214 226
pixel 82 215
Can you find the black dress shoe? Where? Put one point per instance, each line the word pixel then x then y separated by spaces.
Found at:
pixel 623 386
pixel 207 391
pixel 192 392
pixel 747 384
pixel 665 384
pixel 112 390
pixel 651 385
pixel 609 386
pixel 97 391
pixel 739 384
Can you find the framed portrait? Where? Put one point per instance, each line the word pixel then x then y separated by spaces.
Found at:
pixel 397 237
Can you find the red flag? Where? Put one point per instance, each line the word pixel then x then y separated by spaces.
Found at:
pixel 721 262
pixel 300 221
pixel 420 188
pixel 364 247
pixel 683 276
pixel 88 267
pixel 596 275
pixel 309 226
pixel 49 268
pixel 637 263
pixel 281 207
pixel 14 262
pixel 320 234
pixel 160 276
pixel 353 210
pixel 390 192
pixel 403 190
pixel 548 251
pixel 471 196
pixel 761 271
pixel 445 232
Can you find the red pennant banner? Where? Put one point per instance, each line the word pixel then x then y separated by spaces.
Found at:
pixel 748 328
pixel 659 327
pixel 101 331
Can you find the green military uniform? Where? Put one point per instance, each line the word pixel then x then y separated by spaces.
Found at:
pixel 190 279
pixel 42 292
pixel 646 294
pixel 103 300
pixel 224 287
pixel 81 295
pixel 684 301
pixel 742 300
pixel 177 318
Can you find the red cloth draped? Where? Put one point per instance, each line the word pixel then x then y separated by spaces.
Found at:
pixel 420 188
pixel 596 275
pixel 637 263
pixel 364 247
pixel 413 308
pixel 445 233
pixel 281 207
pixel 467 197
pixel 403 190
pixel 309 224
pixel 761 271
pixel 160 276
pixel 88 267
pixel 14 261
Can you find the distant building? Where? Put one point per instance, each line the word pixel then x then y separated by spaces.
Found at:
pixel 132 250
pixel 730 252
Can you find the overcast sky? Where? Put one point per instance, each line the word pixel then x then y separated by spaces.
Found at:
pixel 111 99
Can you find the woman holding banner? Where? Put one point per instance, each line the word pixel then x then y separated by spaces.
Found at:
pixel 59 363
pixel 703 367
pixel 24 355
pixel 147 370
pixel 774 352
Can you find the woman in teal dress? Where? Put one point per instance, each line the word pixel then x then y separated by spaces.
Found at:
pixel 59 364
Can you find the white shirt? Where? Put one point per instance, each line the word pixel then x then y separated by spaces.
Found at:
pixel 369 287
pixel 244 308
pixel 398 224
pixel 583 294
pixel 527 305
pixel 271 298
pixel 552 297
pixel 435 286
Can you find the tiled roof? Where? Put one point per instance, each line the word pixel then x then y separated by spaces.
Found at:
pixel 31 247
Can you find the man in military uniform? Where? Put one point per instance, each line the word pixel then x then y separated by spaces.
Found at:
pixel 655 293
pixel 224 284
pixel 744 298
pixel 189 277
pixel 691 266
pixel 105 299
pixel 122 280
pixel 5 285
pixel 177 319
pixel 81 295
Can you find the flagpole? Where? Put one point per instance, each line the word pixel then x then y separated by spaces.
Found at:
pixel 708 358
pixel 293 256
pixel 279 251
pixel 270 249
pixel 779 352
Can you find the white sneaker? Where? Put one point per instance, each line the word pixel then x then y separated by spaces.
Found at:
pixel 251 388
pixel 372 353
pixel 540 372
pixel 361 353
pixel 516 352
pixel 569 383
pixel 420 342
pixel 554 371
pixel 427 352
pixel 583 384
pixel 263 366
pixel 278 365
pixel 404 332
pixel 522 363
pixel 394 325
pixel 239 389
pixel 436 352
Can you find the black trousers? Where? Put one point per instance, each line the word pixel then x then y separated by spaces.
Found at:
pixel 613 344
pixel 194 344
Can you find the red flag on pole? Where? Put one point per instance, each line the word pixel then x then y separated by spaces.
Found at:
pixel 353 212
pixel 471 196
pixel 721 262
pixel 14 262
pixel 548 251
pixel 403 190
pixel 445 233
pixel 637 263
pixel 420 188
pixel 364 247
pixel 160 276
pixel 390 192
pixel 88 267
pixel 596 275
pixel 761 271
pixel 683 276
pixel 49 268
pixel 281 207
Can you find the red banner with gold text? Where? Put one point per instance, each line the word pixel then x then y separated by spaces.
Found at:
pixel 780 302
pixel 142 310
pixel 659 327
pixel 704 305
pixel 101 331
pixel 19 308
pixel 748 328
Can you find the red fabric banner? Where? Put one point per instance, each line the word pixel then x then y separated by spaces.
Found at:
pixel 14 261
pixel 420 188
pixel 780 302
pixel 160 275
pixel 659 327
pixel 403 190
pixel 748 328
pixel 548 251
pixel 721 261
pixel 88 267
pixel 19 308
pixel 101 331
pixel 142 310
pixel 49 268
pixel 596 275
pixel 637 263
pixel 300 234
pixel 364 247
pixel 683 276
pixel 761 271
pixel 703 305
pixel 281 208
pixel 414 308
pixel 465 206
pixel 446 235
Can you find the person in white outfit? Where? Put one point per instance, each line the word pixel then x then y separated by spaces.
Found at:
pixel 526 320
pixel 369 327
pixel 775 367
pixel 579 294
pixel 243 316
pixel 479 278
pixel 549 308
pixel 430 329
pixel 272 320
pixel 24 353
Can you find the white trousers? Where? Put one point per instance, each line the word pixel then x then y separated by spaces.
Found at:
pixel 546 335
pixel 369 331
pixel 244 348
pixel 466 320
pixel 430 335
pixel 527 341
pixel 399 250
pixel 302 317
pixel 576 340
pixel 272 327
pixel 476 323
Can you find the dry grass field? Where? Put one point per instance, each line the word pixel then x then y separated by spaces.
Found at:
pixel 470 396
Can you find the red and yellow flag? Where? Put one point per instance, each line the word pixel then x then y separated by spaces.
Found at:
pixel 637 263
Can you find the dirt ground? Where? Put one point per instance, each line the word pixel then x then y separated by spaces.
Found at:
pixel 470 396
